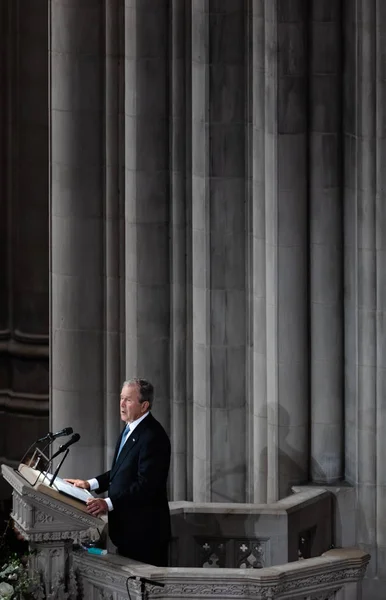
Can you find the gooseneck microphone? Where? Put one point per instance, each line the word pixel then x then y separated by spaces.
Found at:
pixel 52 436
pixel 75 438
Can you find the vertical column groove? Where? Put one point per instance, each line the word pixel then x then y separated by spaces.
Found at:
pixel 201 275
pixel 326 276
pixel 77 228
pixel 112 220
pixel 286 245
pixel 147 269
pixel 257 362
pixel 178 248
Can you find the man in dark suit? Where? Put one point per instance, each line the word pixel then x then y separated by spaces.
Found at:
pixel 137 504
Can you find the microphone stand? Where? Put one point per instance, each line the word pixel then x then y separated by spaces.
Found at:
pixel 58 467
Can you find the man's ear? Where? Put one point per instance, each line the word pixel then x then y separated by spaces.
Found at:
pixel 146 406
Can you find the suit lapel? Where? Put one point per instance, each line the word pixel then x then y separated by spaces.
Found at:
pixel 129 444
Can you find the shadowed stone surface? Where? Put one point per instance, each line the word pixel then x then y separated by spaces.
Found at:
pixel 215 184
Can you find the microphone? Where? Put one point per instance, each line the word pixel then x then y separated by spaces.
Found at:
pixel 52 436
pixel 75 438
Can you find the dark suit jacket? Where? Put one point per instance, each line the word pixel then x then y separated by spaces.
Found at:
pixel 136 485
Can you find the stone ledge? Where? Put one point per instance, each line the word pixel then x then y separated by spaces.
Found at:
pixel 311 578
pixel 302 497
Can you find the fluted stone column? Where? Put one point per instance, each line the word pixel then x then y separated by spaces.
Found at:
pixel 147 275
pixel 227 96
pixel 178 12
pixel 201 339
pixel 364 314
pixel 380 254
pixel 257 342
pixel 326 233
pixel 114 186
pixel 218 221
pixel 286 245
pixel 77 64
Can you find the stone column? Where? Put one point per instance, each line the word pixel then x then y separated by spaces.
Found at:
pixel 364 335
pixel 114 186
pixel 77 62
pixel 219 298
pixel 257 342
pixel 326 232
pixel 380 255
pixel 147 198
pixel 201 338
pixel 286 245
pixel 227 96
pixel 178 301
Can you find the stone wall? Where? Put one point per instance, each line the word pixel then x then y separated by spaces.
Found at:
pixel 24 249
pixel 216 223
pixel 190 237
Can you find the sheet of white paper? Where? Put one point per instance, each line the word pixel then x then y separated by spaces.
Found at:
pixel 69 489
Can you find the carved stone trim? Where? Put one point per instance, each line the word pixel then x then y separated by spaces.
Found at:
pixel 326 579
pixel 15 482
pixel 96 574
pixel 41 517
pixel 320 585
pixel 62 508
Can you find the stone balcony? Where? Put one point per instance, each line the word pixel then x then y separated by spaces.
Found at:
pixel 276 551
pixel 335 574
pixel 251 535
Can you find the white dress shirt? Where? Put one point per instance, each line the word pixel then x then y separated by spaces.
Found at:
pixel 94 482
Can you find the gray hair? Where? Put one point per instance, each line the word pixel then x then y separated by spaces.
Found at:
pixel 145 388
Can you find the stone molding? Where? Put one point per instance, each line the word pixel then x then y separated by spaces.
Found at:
pixel 312 579
pixel 41 518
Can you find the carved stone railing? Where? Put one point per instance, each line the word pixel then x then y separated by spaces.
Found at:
pixel 51 525
pixel 251 535
pixel 107 578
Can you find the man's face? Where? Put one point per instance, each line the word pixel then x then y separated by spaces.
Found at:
pixel 130 406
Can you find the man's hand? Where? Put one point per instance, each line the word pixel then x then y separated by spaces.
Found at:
pixel 80 483
pixel 96 507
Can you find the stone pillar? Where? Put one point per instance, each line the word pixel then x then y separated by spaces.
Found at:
pixel 218 203
pixel 178 300
pixel 201 338
pixel 326 233
pixel 77 62
pixel 226 220
pixel 147 198
pixel 364 313
pixel 256 277
pixel 286 245
pixel 114 201
pixel 380 254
